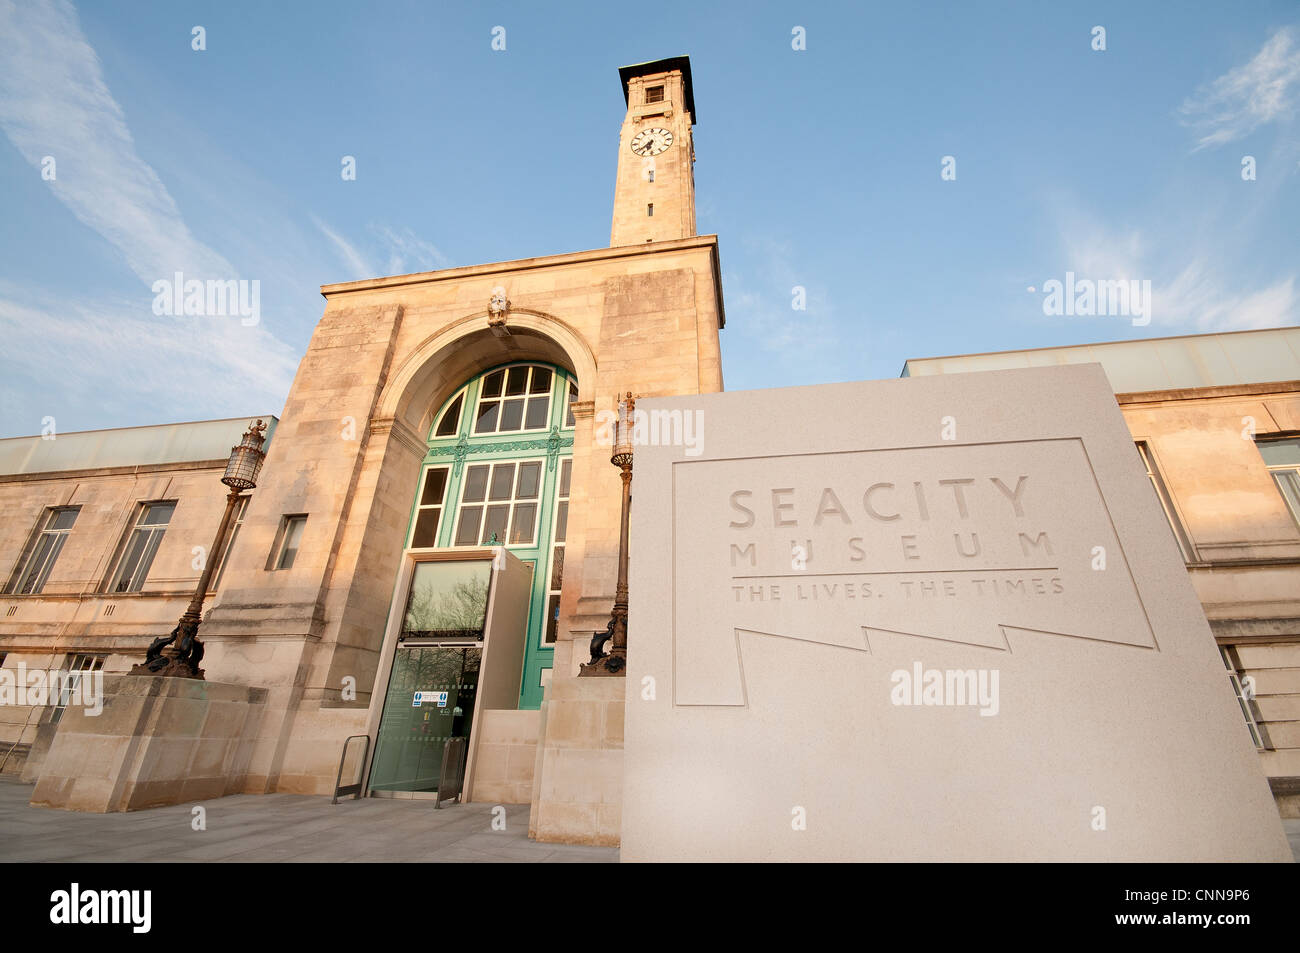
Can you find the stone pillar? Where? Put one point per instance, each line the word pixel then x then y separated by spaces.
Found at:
pixel 578 776
pixel 279 628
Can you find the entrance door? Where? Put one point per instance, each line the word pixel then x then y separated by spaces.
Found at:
pixel 435 676
pixel 430 700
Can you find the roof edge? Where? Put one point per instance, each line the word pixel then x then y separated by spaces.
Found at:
pixel 682 63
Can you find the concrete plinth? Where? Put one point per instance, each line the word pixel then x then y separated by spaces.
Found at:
pixel 578 782
pixel 158 741
pixel 507 755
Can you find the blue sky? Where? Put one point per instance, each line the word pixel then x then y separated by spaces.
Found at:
pixel 818 168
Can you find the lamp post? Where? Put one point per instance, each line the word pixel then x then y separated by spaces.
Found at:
pixel 615 663
pixel 242 469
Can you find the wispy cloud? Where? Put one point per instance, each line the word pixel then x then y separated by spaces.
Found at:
pixel 111 354
pixel 1246 97
pixel 1194 253
pixel 401 251
pixel 788 344
pixel 54 102
pixel 357 265
pixel 1198 299
pixel 1190 293
pixel 767 303
pixel 408 254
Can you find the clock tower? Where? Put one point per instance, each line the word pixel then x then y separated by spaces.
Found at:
pixel 654 195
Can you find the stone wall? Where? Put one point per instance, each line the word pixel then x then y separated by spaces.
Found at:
pixel 158 741
pixel 506 751
pixel 578 786
pixel 1245 564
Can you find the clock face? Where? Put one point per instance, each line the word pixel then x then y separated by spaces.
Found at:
pixel 651 142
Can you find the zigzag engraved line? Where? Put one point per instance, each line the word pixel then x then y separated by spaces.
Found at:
pixel 1003 629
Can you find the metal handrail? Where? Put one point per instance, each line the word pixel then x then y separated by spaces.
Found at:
pixel 353 789
pixel 445 784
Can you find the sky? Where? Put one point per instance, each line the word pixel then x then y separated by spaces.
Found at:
pixel 128 155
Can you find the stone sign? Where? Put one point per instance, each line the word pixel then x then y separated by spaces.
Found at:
pixel 927 619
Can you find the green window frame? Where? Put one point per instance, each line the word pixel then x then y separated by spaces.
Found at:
pixel 489 432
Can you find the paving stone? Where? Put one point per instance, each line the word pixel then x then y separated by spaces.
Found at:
pixel 279 828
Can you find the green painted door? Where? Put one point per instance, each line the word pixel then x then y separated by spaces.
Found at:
pixel 497 473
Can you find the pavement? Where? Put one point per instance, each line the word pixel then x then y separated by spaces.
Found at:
pixel 271 828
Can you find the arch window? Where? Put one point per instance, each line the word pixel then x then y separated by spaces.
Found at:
pixel 569 402
pixel 448 424
pixel 497 472
pixel 514 399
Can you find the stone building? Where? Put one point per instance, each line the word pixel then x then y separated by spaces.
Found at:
pixel 456 409
pixel 438 484
pixel 102 543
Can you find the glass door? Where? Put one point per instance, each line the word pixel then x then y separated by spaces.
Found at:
pixel 430 700
pixel 435 675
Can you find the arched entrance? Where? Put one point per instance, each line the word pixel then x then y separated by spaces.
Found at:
pixel 498 472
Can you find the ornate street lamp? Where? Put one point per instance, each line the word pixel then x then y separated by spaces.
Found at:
pixel 615 663
pixel 241 474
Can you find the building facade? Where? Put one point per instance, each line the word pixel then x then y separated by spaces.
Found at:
pixel 103 539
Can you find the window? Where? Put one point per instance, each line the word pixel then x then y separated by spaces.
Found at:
pixel 449 423
pixel 499 504
pixel 654 94
pixel 31 575
pixel 77 665
pixel 650 175
pixel 290 539
pixel 571 400
pixel 236 522
pixel 1244 696
pixel 514 399
pixel 650 210
pixel 141 547
pixel 1282 457
pixel 448 600
pixel 1166 502
pixel 429 508
pixel 557 552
